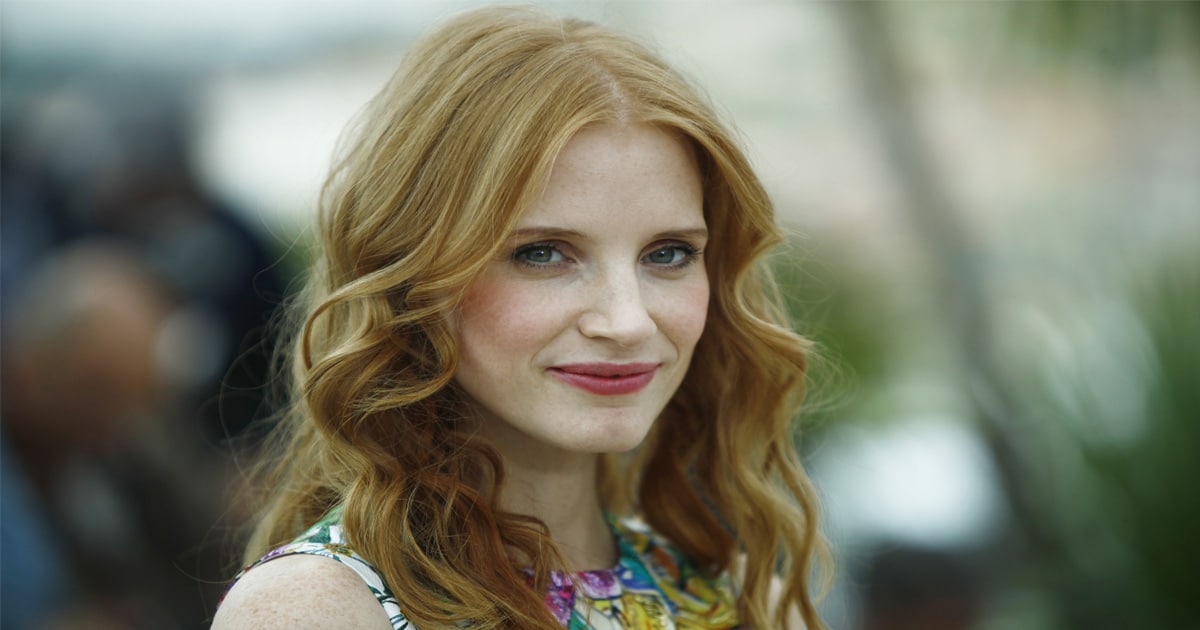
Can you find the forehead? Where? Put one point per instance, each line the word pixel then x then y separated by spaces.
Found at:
pixel 636 173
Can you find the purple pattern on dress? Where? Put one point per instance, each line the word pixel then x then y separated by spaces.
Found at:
pixel 596 585
pixel 601 584
pixel 560 596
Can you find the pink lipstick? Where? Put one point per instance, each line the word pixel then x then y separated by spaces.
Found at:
pixel 606 379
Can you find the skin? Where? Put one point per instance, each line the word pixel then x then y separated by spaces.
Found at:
pixel 607 267
pixel 302 593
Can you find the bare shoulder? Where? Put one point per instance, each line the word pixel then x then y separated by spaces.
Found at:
pixel 301 592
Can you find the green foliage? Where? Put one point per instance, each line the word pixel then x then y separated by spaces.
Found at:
pixel 1110 34
pixel 1144 491
pixel 1110 444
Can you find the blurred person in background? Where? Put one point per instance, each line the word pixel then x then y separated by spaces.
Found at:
pixel 100 502
pixel 111 158
pixel 910 588
pixel 115 487
pixel 537 225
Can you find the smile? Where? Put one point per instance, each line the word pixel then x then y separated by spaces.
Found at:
pixel 607 379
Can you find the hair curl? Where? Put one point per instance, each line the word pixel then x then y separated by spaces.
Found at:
pixel 442 164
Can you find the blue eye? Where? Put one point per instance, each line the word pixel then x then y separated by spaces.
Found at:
pixel 671 256
pixel 538 254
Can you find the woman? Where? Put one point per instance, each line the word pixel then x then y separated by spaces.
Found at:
pixel 540 309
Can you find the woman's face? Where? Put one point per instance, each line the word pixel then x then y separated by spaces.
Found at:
pixel 575 339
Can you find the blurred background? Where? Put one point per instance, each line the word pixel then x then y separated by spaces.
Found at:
pixel 995 219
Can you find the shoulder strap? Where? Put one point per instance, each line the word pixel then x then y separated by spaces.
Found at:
pixel 327 539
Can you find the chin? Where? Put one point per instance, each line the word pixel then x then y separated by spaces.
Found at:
pixel 617 440
pixel 616 447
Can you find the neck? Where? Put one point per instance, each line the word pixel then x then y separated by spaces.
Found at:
pixel 563 495
pixel 559 488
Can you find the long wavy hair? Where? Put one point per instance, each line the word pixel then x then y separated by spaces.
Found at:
pixel 435 175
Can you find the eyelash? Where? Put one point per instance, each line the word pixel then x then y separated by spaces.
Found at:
pixel 690 254
pixel 520 255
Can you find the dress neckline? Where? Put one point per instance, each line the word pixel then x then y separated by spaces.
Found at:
pixel 625 553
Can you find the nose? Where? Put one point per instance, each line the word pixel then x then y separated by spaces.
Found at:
pixel 618 312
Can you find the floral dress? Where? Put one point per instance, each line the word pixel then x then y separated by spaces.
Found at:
pixel 654 585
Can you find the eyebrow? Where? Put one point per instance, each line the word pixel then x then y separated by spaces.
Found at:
pixel 549 232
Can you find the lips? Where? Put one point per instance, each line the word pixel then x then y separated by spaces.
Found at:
pixel 606 379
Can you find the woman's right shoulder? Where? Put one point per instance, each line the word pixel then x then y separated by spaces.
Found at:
pixel 300 591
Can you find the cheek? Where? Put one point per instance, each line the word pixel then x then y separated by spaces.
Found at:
pixel 688 312
pixel 502 317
